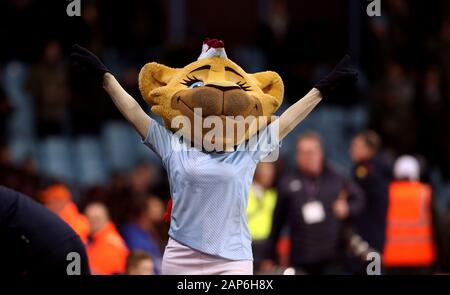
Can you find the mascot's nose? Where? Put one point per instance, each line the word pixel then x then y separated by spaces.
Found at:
pixel 223 86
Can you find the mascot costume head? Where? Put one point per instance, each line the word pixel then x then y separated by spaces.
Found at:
pixel 212 86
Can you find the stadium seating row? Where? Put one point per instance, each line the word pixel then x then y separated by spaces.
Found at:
pixel 88 160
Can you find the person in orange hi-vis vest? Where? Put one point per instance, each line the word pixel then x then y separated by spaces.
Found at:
pixel 58 199
pixel 106 250
pixel 410 246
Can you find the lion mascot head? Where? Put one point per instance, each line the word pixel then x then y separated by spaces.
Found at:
pixel 213 87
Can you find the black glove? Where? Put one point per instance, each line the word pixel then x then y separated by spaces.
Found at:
pixel 86 61
pixel 341 78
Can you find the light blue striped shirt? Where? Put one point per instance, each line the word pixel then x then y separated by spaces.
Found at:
pixel 210 191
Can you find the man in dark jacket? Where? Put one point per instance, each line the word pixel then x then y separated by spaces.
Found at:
pixel 373 173
pixel 35 241
pixel 314 201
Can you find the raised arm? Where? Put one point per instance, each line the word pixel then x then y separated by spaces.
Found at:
pixel 126 104
pixel 298 111
pixel 341 76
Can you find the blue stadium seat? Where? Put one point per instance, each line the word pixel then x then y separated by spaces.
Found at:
pixel 330 114
pixel 21 148
pixel 144 154
pixel 356 119
pixel 90 164
pixel 55 158
pixel 21 122
pixel 442 196
pixel 118 140
pixel 251 59
pixel 330 123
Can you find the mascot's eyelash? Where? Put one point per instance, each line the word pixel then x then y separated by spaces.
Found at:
pixel 243 85
pixel 190 80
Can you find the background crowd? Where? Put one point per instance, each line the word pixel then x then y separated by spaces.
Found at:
pixel 63 143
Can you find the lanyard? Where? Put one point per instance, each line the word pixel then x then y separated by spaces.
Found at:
pixel 312 188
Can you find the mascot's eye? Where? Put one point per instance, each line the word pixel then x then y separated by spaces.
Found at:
pixel 244 86
pixel 192 82
pixel 196 84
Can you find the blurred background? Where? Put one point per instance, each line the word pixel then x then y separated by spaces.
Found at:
pixel 59 132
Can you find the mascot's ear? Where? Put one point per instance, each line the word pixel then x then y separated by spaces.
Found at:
pixel 271 84
pixel 154 75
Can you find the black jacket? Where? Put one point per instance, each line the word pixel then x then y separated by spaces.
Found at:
pixel 373 177
pixel 33 240
pixel 318 242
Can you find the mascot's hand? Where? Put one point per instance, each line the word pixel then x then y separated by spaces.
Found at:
pixel 88 62
pixel 342 78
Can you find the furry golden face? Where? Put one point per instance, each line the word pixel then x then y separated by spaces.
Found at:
pixel 215 86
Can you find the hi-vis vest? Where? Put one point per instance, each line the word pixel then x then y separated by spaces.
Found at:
pixel 260 213
pixel 409 233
